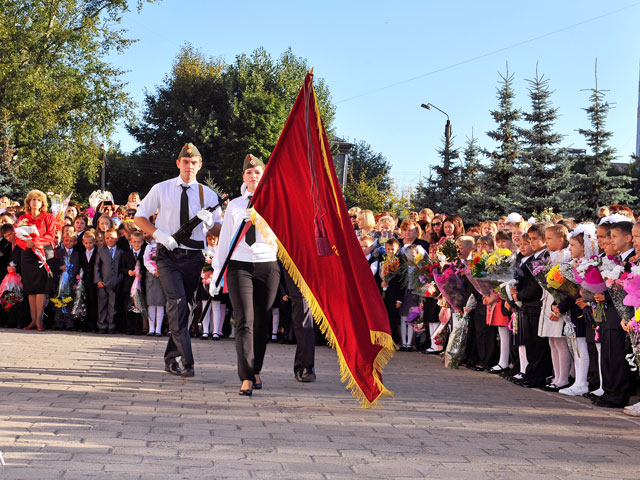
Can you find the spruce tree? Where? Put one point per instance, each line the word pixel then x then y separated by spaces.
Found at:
pixel 542 170
pixel 498 196
pixel 440 191
pixel 597 186
pixel 471 181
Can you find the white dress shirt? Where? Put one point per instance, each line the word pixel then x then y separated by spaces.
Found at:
pixel 260 251
pixel 88 253
pixel 625 256
pixel 165 198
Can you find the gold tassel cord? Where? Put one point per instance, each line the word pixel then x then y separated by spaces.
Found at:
pixel 377 338
pixel 325 158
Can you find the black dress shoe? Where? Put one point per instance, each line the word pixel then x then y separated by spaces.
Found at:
pixel 257 386
pixel 603 402
pixel 308 375
pixel 188 372
pixel 552 387
pixel 479 368
pixel 246 392
pixel 173 368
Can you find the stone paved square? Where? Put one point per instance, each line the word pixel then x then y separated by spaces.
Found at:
pixel 78 406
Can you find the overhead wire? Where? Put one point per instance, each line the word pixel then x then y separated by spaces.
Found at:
pixel 484 55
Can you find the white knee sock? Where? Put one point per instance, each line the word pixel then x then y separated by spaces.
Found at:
pixel 275 312
pixel 409 335
pixel 504 347
pixel 206 321
pixel 522 353
pixel 564 361
pixel 554 359
pixel 218 310
pixel 599 391
pixel 582 363
pixel 403 330
pixel 152 318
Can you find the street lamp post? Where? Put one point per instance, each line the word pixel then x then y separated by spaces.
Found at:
pixel 104 165
pixel 447 140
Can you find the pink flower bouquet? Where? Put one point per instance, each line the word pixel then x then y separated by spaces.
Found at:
pixel 451 286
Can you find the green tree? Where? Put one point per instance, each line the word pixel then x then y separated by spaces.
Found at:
pixel 228 111
pixel 597 186
pixel 542 172
pixel 365 163
pixel 497 195
pixel 471 181
pixel 440 191
pixel 58 95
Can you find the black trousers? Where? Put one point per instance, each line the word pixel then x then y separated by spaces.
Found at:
pixel 179 275
pixel 302 320
pixel 538 350
pixel 615 368
pixel 252 290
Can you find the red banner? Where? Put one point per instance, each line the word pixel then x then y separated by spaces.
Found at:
pixel 299 198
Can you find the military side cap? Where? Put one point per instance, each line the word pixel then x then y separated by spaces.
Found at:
pixel 250 161
pixel 189 150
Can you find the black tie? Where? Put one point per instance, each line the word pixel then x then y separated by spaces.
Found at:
pixel 184 205
pixel 250 236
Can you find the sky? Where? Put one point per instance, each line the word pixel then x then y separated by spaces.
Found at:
pixel 382 60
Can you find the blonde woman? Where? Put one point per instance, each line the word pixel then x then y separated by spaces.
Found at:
pixel 367 224
pixel 36 283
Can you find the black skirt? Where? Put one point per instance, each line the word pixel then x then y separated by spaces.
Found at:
pixel 35 279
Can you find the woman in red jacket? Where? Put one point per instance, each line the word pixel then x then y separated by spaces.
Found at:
pixel 36 280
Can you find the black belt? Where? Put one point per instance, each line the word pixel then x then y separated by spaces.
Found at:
pixel 182 251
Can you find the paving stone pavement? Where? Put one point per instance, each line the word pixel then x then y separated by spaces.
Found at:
pixel 79 406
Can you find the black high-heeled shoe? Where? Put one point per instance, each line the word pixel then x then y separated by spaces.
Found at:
pixel 247 392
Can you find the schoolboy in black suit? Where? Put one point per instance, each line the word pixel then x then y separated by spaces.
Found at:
pixel 108 277
pixel 529 293
pixel 65 256
pixel 131 257
pixel 616 382
pixel 88 264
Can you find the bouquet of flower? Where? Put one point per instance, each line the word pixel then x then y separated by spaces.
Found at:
pixel 614 277
pixel 26 230
pixel 450 284
pixel 416 319
pixel 546 215
pixel 58 207
pixel 446 250
pixel 64 296
pixel 206 275
pixel 557 281
pixel 79 309
pixel 11 288
pixel 540 270
pixel 457 343
pixel 390 266
pixel 631 285
pixel 137 299
pixel 587 274
pixel 489 272
pixel 634 336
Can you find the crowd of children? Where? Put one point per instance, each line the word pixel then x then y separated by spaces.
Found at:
pixel 522 333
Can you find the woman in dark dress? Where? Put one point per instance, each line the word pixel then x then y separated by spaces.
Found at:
pixel 35 279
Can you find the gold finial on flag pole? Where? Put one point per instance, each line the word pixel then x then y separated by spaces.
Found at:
pixel 311 71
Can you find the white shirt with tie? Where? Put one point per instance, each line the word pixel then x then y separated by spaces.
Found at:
pixel 164 197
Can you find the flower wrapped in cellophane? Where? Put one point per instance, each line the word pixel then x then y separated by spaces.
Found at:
pixel 11 288
pixel 65 286
pixel 492 272
pixel 557 280
pixel 450 284
pixel 614 275
pixel 389 269
pixel 25 231
pixel 79 309
pixel 416 319
pixel 457 342
pixel 588 276
pixel 137 304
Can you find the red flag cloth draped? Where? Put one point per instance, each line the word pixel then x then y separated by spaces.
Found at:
pixel 299 198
